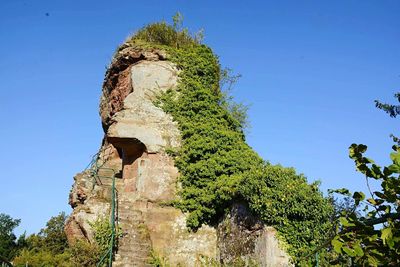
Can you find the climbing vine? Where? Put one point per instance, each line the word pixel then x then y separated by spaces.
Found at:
pixel 216 165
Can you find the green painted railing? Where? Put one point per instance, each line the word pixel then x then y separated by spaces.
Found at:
pixel 98 173
pixel 110 252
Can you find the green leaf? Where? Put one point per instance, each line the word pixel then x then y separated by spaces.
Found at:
pixel 342 191
pixel 394 168
pixel 395 157
pixel 352 150
pixel 362 148
pixel 376 171
pixel 337 245
pixel 380 195
pixel 358 250
pixel 358 196
pixel 349 251
pixel 372 261
pixel 386 233
pixel 386 171
pixel 345 222
pixel 368 160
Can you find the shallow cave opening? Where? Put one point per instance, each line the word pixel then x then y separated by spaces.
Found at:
pixel 129 150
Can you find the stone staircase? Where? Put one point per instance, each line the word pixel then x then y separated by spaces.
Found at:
pixel 134 246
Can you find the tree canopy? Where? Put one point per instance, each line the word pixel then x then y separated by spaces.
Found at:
pixel 8 244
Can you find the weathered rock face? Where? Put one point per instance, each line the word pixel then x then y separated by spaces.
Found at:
pixel 244 239
pixel 137 135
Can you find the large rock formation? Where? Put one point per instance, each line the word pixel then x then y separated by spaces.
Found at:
pixel 137 136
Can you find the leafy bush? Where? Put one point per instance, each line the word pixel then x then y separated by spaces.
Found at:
pixel 161 33
pixel 83 253
pixel 50 248
pixel 102 233
pixel 42 258
pixel 157 261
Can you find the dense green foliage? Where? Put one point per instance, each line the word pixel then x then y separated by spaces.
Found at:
pixel 47 248
pixel 217 167
pixel 41 258
pixel 81 253
pixel 103 236
pixel 359 237
pixel 50 248
pixel 8 240
pixel 284 199
pixel 51 238
pixel 102 233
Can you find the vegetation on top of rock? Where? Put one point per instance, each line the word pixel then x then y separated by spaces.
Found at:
pixel 217 167
pixel 161 33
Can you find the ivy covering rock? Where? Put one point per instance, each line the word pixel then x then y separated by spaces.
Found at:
pixel 217 167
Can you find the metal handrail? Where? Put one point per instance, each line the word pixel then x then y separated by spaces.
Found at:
pixel 95 169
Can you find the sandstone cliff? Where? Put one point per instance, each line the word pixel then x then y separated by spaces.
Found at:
pixel 137 137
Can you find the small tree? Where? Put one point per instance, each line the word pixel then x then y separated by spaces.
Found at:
pixel 51 238
pixel 373 238
pixel 53 235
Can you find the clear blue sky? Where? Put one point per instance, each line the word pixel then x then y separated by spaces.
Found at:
pixel 311 70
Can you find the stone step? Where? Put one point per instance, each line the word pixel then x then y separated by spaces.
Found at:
pixel 129 214
pixel 130 264
pixel 127 250
pixel 134 246
pixel 128 247
pixel 135 260
pixel 128 253
pixel 131 246
pixel 130 219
